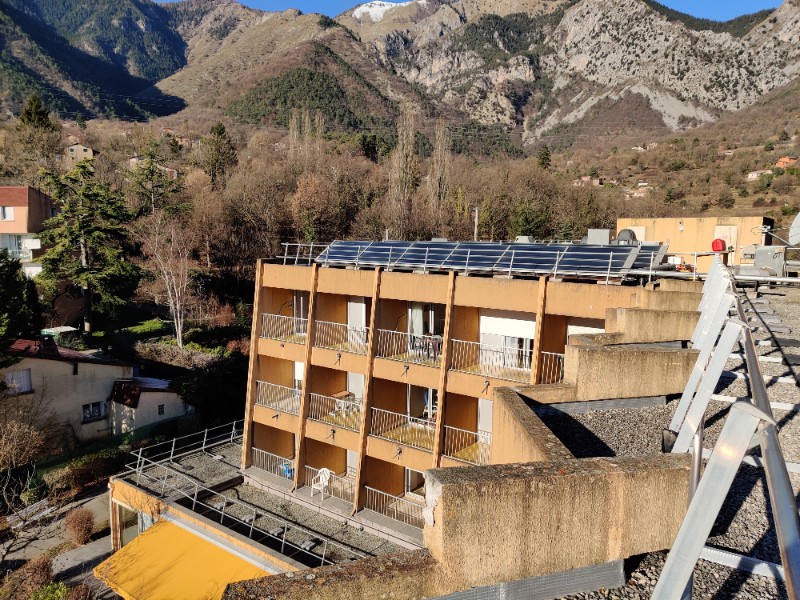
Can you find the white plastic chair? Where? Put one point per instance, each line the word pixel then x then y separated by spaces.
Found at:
pixel 320 482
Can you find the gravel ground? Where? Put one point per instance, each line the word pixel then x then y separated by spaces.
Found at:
pixel 744 525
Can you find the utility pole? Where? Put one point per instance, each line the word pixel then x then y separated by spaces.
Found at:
pixel 475 234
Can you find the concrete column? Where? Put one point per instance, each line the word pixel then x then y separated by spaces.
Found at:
pixel 438 438
pixel 369 386
pixel 247 439
pixel 300 442
pixel 541 318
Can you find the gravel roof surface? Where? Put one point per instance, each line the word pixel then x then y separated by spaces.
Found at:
pixel 744 524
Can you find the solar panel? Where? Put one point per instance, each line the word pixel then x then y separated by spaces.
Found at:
pixel 494 257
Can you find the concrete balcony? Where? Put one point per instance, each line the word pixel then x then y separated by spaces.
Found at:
pixel 279 466
pixel 410 348
pixel 467 446
pixel 403 429
pixel 498 362
pixel 341 337
pixel 327 483
pixel 278 397
pixel 397 508
pixel 284 329
pixel 334 411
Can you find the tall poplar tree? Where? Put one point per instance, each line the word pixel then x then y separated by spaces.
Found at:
pixel 88 243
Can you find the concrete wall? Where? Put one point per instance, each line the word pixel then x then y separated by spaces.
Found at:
pixel 147 411
pixel 518 435
pixel 640 325
pixel 487 525
pixel 62 388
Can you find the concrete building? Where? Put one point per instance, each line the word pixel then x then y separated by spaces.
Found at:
pixel 89 397
pixel 694 235
pixel 23 211
pixel 75 153
pixel 398 403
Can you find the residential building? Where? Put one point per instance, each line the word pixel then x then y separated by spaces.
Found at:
pixel 756 175
pixel 374 382
pixel 23 211
pixel 88 396
pixel 689 236
pixel 75 153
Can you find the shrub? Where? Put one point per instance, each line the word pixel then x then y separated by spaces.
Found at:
pixel 36 573
pixel 79 524
pixel 51 591
pixel 759 202
pixel 80 592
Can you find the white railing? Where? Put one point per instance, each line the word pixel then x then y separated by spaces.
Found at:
pixel 188 444
pixel 410 431
pixel 287 329
pixel 409 347
pixel 552 370
pixel 339 336
pixel 272 463
pixel 394 507
pixel 278 397
pixel 21 254
pixel 502 362
pixel 468 446
pixel 342 413
pixel 337 486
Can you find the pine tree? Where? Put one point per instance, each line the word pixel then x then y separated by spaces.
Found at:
pixel 149 187
pixel 543 157
pixel 218 155
pixel 20 314
pixel 35 114
pixel 88 242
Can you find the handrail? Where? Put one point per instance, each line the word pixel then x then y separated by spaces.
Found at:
pixel 338 486
pixel 552 370
pixel 406 430
pixel 340 336
pixel 278 397
pixel 334 411
pixel 501 362
pixel 193 442
pixel 280 466
pixel 410 347
pixel 394 507
pixel 468 446
pixel 279 327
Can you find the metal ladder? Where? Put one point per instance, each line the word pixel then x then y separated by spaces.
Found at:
pixel 749 422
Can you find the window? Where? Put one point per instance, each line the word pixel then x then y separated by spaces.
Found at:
pixel 19 382
pixel 6 213
pixel 93 412
pixel 160 410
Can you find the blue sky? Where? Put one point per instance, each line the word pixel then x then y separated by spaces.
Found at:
pixel 719 10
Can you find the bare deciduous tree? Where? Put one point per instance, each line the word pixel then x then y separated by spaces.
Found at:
pixel 403 174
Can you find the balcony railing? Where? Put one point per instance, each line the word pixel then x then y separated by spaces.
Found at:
pixel 285 329
pixel 278 397
pixel 468 446
pixel 21 254
pixel 342 413
pixel 501 362
pixel 338 336
pixel 409 347
pixel 409 431
pixel 552 368
pixel 337 486
pixel 394 507
pixel 272 463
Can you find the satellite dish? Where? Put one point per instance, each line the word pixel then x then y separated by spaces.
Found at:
pixel 794 231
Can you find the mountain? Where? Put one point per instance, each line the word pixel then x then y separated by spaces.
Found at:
pixel 555 71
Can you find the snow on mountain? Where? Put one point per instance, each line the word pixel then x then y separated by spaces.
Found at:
pixel 377 9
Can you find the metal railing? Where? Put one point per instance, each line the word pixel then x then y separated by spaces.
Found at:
pixel 342 413
pixel 286 329
pixel 468 446
pixel 394 507
pixel 409 431
pixel 272 463
pixel 188 444
pixel 410 347
pixel 301 254
pixel 278 397
pixel 21 254
pixel 339 336
pixel 338 486
pixel 552 370
pixel 501 362
pixel 246 519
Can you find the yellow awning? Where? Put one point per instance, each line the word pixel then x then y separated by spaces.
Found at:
pixel 169 563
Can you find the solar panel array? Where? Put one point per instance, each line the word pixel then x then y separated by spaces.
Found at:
pixel 495 257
